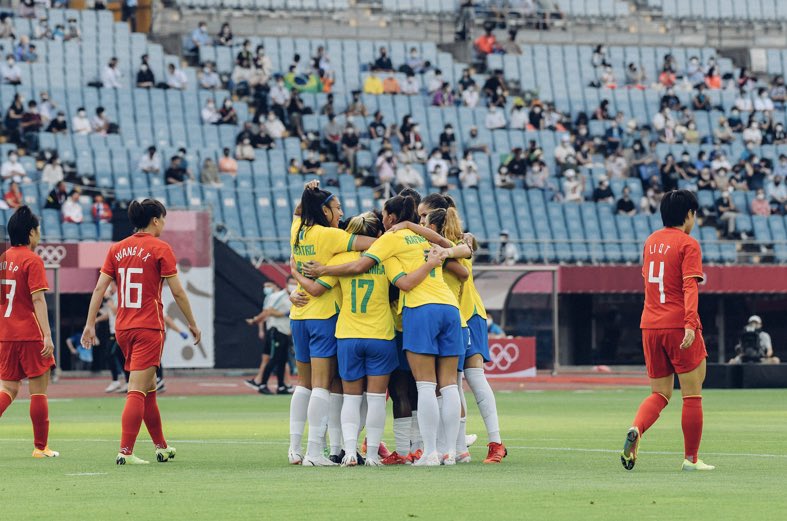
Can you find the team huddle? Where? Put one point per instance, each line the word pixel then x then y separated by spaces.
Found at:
pixel 387 301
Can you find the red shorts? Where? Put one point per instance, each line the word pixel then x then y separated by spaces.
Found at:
pixel 663 355
pixel 142 348
pixel 20 360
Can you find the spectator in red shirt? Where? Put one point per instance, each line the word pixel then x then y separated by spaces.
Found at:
pixel 13 197
pixel 486 43
pixel 101 211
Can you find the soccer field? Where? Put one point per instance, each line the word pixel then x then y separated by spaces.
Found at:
pixel 563 464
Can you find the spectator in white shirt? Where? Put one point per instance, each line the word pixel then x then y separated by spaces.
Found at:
pixel 436 81
pixel 495 119
pixel 12 169
pixel 519 117
pixel 439 178
pixel 176 78
pixel 573 187
pixel 411 86
pixel 468 171
pixel 508 253
pixel 753 134
pixel 150 162
pixel 407 176
pixel 11 72
pixel 80 124
pixel 435 160
pixel 210 116
pixel 275 127
pixel 565 155
pixel 46 108
pixel 763 102
pixel 53 172
pixel 111 76
pixel 280 97
pixel 743 102
pixel 209 79
pixel 470 96
pixel 719 163
pixel 72 210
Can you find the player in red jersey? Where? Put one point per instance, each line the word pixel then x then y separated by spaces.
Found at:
pixel 671 328
pixel 139 265
pixel 25 338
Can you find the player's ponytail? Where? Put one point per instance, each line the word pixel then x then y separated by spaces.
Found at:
pixel 412 192
pixel 312 202
pixel 367 224
pixel 141 213
pixel 436 201
pixel 21 223
pixel 446 223
pixel 402 207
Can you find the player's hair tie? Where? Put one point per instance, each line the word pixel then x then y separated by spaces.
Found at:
pixel 327 200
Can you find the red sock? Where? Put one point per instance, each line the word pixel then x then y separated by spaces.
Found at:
pixel 131 421
pixel 153 421
pixel 39 414
pixel 649 411
pixel 692 426
pixel 5 401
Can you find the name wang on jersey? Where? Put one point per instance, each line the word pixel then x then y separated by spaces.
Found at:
pixel 132 251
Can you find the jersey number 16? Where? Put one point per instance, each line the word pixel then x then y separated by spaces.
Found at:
pixel 127 286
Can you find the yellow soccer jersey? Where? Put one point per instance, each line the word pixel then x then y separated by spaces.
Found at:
pixel 467 309
pixel 365 311
pixel 411 250
pixel 318 243
pixel 457 287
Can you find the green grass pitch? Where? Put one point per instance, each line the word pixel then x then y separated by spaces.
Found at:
pixel 563 464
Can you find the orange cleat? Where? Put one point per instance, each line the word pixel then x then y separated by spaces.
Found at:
pixel 395 459
pixel 415 456
pixel 497 451
pixel 383 451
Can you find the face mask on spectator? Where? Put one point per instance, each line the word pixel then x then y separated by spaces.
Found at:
pixel 11 63
pixel 227 104
pixel 81 113
pixel 13 158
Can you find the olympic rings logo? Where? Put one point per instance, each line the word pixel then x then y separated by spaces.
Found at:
pixel 503 356
pixel 51 254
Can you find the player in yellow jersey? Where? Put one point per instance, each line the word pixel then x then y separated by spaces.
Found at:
pixel 430 319
pixel 315 236
pixel 472 310
pixel 365 332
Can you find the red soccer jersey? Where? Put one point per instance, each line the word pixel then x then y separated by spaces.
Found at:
pixel 671 260
pixel 139 265
pixel 22 273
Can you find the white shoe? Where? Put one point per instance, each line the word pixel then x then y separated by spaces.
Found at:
pixel 699 465
pixel 373 462
pixel 319 461
pixel 112 387
pixel 349 460
pixel 294 457
pixel 428 460
pixel 463 458
pixel 449 458
pixel 470 439
pixel 166 454
pixel 122 389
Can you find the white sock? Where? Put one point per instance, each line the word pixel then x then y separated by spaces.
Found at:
pixel 401 431
pixel 428 415
pixel 442 444
pixel 351 418
pixel 450 413
pixel 364 412
pixel 299 404
pixel 318 420
pixel 485 399
pixel 416 441
pixel 335 423
pixel 375 423
pixel 461 438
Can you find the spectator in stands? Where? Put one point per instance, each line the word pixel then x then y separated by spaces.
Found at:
pixel 150 162
pixel 53 172
pixel 444 97
pixel 778 92
pixel 11 72
pixel 72 210
pixel 694 72
pixel 295 111
pixel 538 177
pixel 377 128
pixel 564 153
pixel 435 81
pixel 411 85
pixel 616 165
pixel 669 173
pixel 46 108
pixel 24 51
pixel 486 43
pixel 209 78
pixel 508 253
pixel 200 38
pixel 244 151
pixel 713 78
pixel 701 101
pixel 312 164
pixel 263 139
pixel 735 121
pixel 385 166
pixel 274 127
pixel 519 116
pixel 510 46
pixel 356 106
pixel 503 178
pixel 752 134
pixel 321 61
pixel 13 197
pixel 263 68
pixel 517 164
pixel 473 143
pixel 332 136
pixel 350 146
pixel 495 89
pixel 777 194
pixel 607 78
pixel 373 84
pixel 439 178
pixel 7 26
pixel 468 171
pixel 175 174
pixel 727 212
pixel 436 159
pixel 111 77
pixel 763 102
pixel 723 132
pixel 391 84
pixel 279 96
pixel 407 176
pixel 780 169
pixel 73 34
pixel 471 96
pixel 755 345
pixel 224 37
pixel 30 125
pixel 42 31
pixel 328 107
pixel 383 62
pixel 145 77
pixel 227 114
pixel 12 169
pixel 414 63
pixel 720 162
pixel 573 187
pixel 101 124
pixel 209 174
pixel 743 102
pixel 625 205
pixel 227 165
pixel 209 114
pixel 58 125
pixel 612 138
pixel 495 118
pixel 176 78
pixel 100 210
pixel 57 196
pixel 760 204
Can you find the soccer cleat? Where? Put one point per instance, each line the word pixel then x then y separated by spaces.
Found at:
pixel 470 439
pixel 264 390
pixel 428 460
pixel 373 462
pixel 337 458
pixel 463 458
pixel 395 459
pixel 113 386
pixel 251 384
pixel 415 456
pixel 629 455
pixel 349 460
pixel 449 458
pixel 123 389
pixel 383 451
pixel 699 465
pixel 497 451
pixel 284 390
pixel 165 454
pixel 318 461
pixel 46 453
pixel 161 387
pixel 294 457
pixel 129 459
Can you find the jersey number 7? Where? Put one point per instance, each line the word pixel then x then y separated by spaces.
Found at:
pixel 9 295
pixel 658 280
pixel 127 286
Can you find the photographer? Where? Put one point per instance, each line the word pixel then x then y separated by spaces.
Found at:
pixel 755 345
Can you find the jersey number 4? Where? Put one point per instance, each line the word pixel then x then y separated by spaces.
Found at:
pixel 127 287
pixel 657 279
pixel 363 283
pixel 10 295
